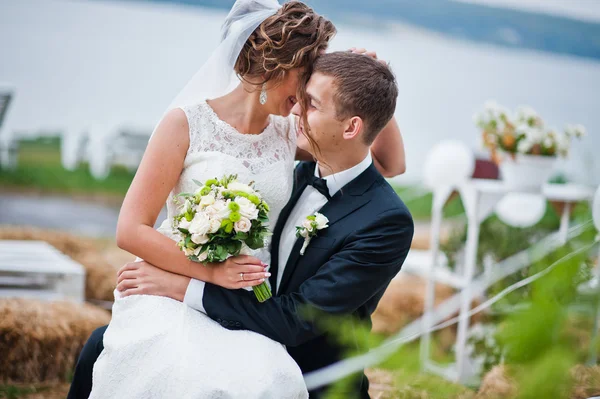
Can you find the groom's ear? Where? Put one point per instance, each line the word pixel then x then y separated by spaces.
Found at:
pixel 354 127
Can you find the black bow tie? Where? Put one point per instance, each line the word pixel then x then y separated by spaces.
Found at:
pixel 319 184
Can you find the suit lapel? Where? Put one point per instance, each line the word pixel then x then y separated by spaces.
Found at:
pixel 299 186
pixel 350 198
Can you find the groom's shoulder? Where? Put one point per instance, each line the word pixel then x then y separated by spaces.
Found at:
pixel 386 200
pixel 303 168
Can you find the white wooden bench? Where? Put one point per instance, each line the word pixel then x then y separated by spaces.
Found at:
pixel 35 269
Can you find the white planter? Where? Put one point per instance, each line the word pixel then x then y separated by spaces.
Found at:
pixel 528 172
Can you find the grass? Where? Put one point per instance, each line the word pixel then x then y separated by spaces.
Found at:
pixel 13 392
pixel 39 168
pixel 420 206
pixel 27 390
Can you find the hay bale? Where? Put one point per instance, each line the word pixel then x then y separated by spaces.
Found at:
pixel 396 384
pixel 40 341
pixel 403 301
pixel 586 382
pixel 101 261
pixel 497 384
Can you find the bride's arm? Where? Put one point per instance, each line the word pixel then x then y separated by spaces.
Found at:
pixel 388 150
pixel 156 176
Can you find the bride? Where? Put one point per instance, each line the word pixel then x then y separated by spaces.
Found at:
pixel 232 118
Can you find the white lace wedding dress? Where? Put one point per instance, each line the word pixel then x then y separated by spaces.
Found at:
pixel 156 347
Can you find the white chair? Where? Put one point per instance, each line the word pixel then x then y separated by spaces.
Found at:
pixel 8 145
pixel 125 145
pixel 72 149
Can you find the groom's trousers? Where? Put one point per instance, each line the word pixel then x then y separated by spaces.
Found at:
pixel 81 387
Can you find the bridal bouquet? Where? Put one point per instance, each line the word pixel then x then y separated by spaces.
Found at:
pixel 223 218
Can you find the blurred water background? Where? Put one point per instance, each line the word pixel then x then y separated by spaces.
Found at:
pixel 78 65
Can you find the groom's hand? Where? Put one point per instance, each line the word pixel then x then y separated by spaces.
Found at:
pixel 142 278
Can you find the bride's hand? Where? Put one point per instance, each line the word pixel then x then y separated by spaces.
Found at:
pixel 240 272
pixel 366 52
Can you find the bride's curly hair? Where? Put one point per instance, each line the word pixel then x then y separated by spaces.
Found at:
pixel 291 38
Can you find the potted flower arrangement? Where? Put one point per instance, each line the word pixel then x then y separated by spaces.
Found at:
pixel 523 147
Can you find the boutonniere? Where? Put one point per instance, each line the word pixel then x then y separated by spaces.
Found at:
pixel 311 225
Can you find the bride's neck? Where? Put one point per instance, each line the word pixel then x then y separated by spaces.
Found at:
pixel 242 110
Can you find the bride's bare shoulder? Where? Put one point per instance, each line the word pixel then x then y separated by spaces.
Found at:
pixel 174 124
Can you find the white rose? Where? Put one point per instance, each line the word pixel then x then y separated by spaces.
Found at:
pixel 243 225
pixel 247 208
pixel 223 213
pixel 236 186
pixel 199 239
pixel 207 200
pixel 202 256
pixel 187 251
pixel 307 224
pixel 214 209
pixel 321 221
pixel 219 210
pixel 215 225
pixel 200 224
pixel 210 211
pixel 184 224
pixel 304 233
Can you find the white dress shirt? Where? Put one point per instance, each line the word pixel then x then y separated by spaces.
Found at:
pixel 309 202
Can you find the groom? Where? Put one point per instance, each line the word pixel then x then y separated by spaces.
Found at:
pixel 347 266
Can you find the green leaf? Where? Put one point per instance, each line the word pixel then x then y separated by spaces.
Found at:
pixel 241 236
pixel 198 183
pixel 184 231
pixel 255 242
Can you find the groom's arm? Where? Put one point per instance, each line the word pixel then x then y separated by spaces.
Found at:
pixel 370 258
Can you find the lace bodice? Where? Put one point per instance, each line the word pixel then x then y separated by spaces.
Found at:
pixel 217 149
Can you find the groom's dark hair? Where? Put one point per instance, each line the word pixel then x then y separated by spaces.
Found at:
pixel 364 87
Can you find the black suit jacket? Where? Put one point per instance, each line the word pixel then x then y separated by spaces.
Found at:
pixel 344 271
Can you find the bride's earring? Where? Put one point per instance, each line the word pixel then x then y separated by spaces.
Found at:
pixel 263 94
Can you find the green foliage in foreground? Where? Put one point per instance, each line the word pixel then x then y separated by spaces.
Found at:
pixel 538 341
